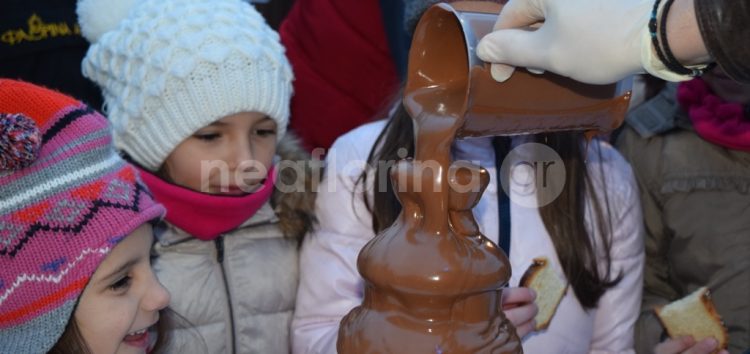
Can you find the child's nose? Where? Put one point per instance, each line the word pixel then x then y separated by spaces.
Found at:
pixel 157 296
pixel 241 155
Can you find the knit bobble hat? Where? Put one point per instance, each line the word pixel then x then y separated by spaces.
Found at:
pixel 170 67
pixel 66 200
pixel 19 141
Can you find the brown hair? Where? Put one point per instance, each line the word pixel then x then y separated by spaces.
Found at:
pixel 563 218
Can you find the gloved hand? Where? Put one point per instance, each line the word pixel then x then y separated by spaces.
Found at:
pixel 594 41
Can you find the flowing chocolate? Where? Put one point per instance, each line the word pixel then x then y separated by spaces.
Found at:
pixel 432 280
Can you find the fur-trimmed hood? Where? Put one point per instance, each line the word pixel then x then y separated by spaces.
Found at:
pixel 294 197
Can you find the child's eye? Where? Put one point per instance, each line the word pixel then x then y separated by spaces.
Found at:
pixel 122 284
pixel 207 136
pixel 265 132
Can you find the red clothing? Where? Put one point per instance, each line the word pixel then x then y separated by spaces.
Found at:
pixel 344 72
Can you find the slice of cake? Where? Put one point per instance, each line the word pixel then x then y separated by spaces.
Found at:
pixel 549 289
pixel 694 315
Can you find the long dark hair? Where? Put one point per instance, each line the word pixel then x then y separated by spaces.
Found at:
pixel 563 218
pixel 72 342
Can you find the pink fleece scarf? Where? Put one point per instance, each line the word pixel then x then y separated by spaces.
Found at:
pixel 719 122
pixel 206 216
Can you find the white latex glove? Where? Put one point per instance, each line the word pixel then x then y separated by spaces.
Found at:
pixel 593 41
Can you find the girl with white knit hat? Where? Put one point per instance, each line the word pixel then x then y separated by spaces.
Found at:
pixel 198 92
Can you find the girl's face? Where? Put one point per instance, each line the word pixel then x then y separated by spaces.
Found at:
pixel 230 156
pixel 123 298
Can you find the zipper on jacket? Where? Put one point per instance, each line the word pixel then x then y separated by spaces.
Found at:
pixel 219 242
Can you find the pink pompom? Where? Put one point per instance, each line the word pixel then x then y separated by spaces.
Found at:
pixel 20 141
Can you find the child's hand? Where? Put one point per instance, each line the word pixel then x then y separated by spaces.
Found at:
pixel 687 345
pixel 520 309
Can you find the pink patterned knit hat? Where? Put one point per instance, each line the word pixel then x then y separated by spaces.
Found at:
pixel 66 200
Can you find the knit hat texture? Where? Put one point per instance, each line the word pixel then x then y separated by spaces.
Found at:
pixel 170 67
pixel 66 200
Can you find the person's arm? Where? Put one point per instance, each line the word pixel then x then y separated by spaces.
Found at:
pixel 657 289
pixel 618 308
pixel 684 35
pixel 329 288
pixel 330 285
pixel 643 155
pixel 604 41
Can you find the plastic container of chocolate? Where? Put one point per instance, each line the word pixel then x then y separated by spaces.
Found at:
pixel 442 58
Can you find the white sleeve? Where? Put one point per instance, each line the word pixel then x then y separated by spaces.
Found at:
pixel 619 307
pixel 330 285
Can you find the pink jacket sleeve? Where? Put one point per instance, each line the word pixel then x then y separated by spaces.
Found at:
pixel 330 285
pixel 619 307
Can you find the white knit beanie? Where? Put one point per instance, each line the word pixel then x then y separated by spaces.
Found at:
pixel 168 68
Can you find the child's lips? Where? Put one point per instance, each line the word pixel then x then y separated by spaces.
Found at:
pixel 236 190
pixel 139 340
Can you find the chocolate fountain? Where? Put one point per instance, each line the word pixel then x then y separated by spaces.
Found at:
pixel 433 282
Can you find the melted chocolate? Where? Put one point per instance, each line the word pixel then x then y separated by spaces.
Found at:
pixel 432 280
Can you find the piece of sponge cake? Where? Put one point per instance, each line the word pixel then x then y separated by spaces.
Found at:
pixel 694 315
pixel 549 289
